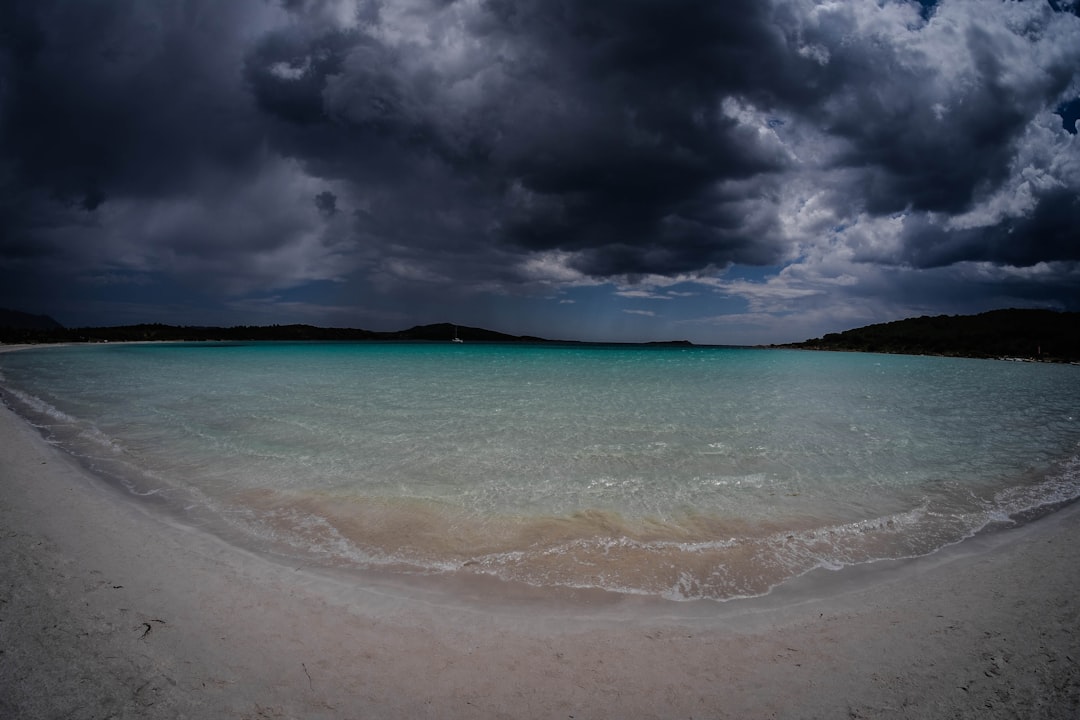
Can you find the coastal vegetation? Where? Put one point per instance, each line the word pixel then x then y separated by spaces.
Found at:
pixel 24 328
pixel 1042 335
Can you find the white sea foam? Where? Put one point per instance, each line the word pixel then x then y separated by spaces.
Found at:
pixel 704 473
pixel 40 407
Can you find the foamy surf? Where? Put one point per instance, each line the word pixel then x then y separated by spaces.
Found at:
pixel 682 474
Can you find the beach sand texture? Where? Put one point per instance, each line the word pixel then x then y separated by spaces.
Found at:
pixel 108 610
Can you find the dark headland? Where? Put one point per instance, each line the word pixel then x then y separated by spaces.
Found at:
pixel 1042 335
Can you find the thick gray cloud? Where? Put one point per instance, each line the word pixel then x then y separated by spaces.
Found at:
pixel 1048 233
pixel 528 145
pixel 121 98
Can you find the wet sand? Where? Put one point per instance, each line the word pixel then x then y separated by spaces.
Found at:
pixel 108 609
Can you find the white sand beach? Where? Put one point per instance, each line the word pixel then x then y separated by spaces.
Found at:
pixel 109 610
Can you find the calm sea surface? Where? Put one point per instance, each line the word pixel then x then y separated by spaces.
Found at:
pixel 679 472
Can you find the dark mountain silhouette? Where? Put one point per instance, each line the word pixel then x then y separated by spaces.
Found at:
pixel 446 331
pixel 53 333
pixel 15 320
pixel 1023 334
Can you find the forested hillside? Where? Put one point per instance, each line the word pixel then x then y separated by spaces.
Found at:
pixel 158 332
pixel 1027 334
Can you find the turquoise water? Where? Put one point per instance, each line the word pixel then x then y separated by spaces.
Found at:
pixel 679 472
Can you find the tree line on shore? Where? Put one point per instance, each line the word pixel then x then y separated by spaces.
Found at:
pixel 1042 335
pixel 33 329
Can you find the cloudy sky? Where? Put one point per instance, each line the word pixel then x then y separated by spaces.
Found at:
pixel 742 171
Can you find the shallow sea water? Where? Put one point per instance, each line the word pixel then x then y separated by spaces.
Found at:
pixel 676 472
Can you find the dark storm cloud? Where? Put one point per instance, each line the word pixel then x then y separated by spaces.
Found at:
pixel 269 144
pixel 326 201
pixel 1047 234
pixel 108 109
pixel 917 160
pixel 288 71
pixel 921 141
pixel 600 128
pixel 119 97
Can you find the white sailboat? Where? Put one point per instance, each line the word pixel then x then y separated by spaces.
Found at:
pixel 456 338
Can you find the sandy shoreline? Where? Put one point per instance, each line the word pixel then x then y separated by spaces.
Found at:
pixel 107 610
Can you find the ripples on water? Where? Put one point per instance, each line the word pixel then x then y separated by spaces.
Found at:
pixel 681 472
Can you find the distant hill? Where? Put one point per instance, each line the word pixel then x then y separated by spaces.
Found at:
pixel 440 332
pixel 52 333
pixel 15 320
pixel 1026 334
pixel 446 331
